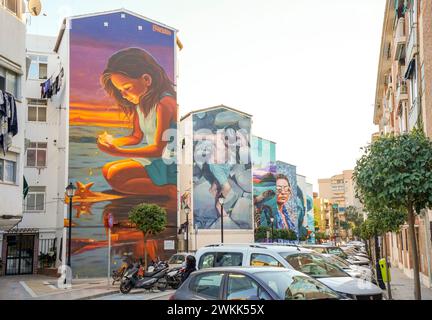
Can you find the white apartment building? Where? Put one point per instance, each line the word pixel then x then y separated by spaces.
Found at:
pixel 44 204
pixel 12 75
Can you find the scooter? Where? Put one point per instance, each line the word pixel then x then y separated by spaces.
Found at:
pixel 149 280
pixel 173 277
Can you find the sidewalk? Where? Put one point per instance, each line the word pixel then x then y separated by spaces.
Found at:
pixel 36 287
pixel 403 287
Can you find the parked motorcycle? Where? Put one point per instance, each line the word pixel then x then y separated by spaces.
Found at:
pixel 148 280
pixel 173 277
pixel 118 274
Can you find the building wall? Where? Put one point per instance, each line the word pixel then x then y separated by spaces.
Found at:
pixel 50 221
pixel 398 113
pixel 12 57
pixel 264 180
pixel 104 185
pixel 222 168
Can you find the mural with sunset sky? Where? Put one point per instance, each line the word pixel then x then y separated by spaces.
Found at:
pixel 122 97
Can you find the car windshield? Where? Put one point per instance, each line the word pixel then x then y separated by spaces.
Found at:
pixel 295 287
pixel 313 265
pixel 337 261
pixel 337 251
pixel 176 259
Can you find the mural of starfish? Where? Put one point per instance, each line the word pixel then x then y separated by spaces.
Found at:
pixel 83 209
pixel 83 190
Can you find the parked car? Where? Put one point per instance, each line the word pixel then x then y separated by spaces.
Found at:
pixel 351 258
pixel 252 283
pixel 328 249
pixel 353 270
pixel 178 259
pixel 350 250
pixel 291 257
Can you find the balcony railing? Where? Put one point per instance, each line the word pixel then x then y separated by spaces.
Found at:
pixel 401 90
pixel 399 40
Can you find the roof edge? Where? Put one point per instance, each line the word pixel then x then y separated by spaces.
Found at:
pixel 213 108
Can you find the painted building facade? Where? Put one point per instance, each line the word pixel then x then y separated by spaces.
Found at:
pixel 120 147
pixel 215 144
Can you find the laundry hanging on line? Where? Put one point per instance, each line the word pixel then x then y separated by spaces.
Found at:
pixel 51 87
pixel 8 120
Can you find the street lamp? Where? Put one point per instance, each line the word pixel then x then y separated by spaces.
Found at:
pixel 70 191
pixel 187 210
pixel 272 224
pixel 221 200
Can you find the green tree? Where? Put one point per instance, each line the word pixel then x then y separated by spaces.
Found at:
pixel 395 172
pixel 150 219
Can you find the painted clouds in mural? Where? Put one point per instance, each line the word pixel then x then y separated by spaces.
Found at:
pixel 123 118
pixel 222 165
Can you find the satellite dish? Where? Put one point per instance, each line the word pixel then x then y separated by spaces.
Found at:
pixel 34 7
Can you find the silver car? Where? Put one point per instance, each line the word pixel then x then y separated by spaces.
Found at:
pixel 252 283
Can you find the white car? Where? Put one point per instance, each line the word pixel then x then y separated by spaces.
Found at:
pixel 292 257
pixel 178 259
pixel 354 271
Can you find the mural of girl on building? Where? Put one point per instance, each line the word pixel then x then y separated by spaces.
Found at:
pixel 142 89
pixel 284 218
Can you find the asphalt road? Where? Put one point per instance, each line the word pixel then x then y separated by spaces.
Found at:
pixel 139 295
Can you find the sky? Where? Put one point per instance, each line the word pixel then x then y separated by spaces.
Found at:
pixel 305 69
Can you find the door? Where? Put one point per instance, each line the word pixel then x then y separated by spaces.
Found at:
pixel 19 254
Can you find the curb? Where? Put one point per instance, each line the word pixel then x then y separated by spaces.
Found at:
pixel 99 295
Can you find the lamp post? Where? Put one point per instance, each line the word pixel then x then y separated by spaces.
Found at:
pixel 187 210
pixel 272 223
pixel 221 200
pixel 70 191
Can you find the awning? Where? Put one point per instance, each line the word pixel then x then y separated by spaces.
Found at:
pixel 410 69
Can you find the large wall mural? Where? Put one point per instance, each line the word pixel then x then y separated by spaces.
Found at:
pixel 264 181
pixel 123 119
pixel 310 213
pixel 287 202
pixel 222 165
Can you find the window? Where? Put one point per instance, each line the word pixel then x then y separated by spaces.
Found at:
pixel 295 287
pixel 37 110
pixel 207 284
pixel 36 154
pixel 9 81
pixel 11 5
pixel 38 67
pixel 220 259
pixel 264 260
pixel 314 265
pixel 7 171
pixel 35 200
pixel 176 259
pixel 241 287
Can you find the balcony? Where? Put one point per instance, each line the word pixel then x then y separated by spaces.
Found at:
pixel 399 40
pixel 412 44
pixel 401 91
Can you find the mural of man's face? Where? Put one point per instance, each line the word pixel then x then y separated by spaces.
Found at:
pixel 283 191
